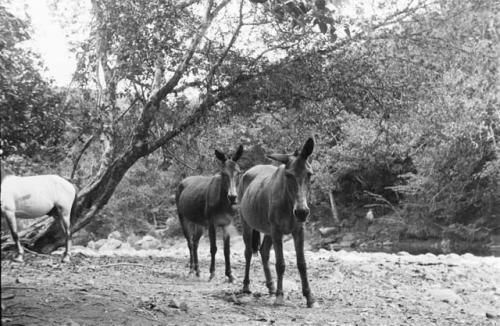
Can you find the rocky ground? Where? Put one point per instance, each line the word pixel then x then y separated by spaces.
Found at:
pixel 113 283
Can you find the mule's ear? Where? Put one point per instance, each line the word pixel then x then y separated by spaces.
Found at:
pixel 283 158
pixel 307 149
pixel 221 156
pixel 238 153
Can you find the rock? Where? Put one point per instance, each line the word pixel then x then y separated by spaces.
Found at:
pixel 337 276
pixel 349 237
pixel 115 235
pixel 491 315
pixel 127 249
pixel 245 299
pixel 85 251
pixel 174 304
pixel 184 307
pixel 290 285
pixel 326 231
pixel 110 244
pixel 445 295
pixel 96 244
pixel 232 298
pixel 147 242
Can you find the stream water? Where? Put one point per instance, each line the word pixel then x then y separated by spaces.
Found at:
pixel 436 247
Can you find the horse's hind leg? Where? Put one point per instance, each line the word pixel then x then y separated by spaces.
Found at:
pixel 11 221
pixel 264 254
pixel 64 217
pixel 227 253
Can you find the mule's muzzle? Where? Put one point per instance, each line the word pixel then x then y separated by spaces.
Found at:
pixel 232 199
pixel 301 213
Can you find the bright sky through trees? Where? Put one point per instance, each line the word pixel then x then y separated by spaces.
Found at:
pixel 51 40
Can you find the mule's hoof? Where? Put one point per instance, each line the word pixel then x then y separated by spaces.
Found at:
pixel 66 259
pixel 272 290
pixel 230 279
pixel 18 259
pixel 279 301
pixel 312 305
pixel 212 275
pixel 246 290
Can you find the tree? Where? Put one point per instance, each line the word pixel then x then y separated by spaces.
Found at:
pixel 148 55
pixel 32 121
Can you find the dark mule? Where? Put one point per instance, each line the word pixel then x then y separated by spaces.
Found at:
pixel 36 196
pixel 273 200
pixel 207 201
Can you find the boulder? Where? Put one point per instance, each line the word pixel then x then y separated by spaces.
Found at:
pixel 115 235
pixel 110 244
pixel 95 245
pixel 327 231
pixel 444 295
pixel 147 242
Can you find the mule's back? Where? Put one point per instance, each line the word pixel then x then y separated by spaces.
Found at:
pixel 255 194
pixel 35 196
pixel 191 198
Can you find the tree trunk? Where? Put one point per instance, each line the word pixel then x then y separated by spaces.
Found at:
pixel 333 207
pixel 96 195
pixel 90 201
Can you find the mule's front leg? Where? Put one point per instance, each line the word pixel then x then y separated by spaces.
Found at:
pixel 227 254
pixel 298 238
pixel 11 221
pixel 280 264
pixel 213 246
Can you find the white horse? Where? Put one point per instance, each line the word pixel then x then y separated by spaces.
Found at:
pixel 36 196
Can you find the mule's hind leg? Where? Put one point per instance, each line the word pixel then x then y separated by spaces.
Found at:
pixel 189 240
pixel 11 221
pixel 277 237
pixel 197 233
pixel 264 254
pixel 63 215
pixel 227 253
pixel 248 233
pixel 213 246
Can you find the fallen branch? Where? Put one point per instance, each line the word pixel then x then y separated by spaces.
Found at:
pixel 125 264
pixel 18 287
pixel 25 315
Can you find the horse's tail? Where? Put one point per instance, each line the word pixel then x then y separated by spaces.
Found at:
pixel 255 241
pixel 72 214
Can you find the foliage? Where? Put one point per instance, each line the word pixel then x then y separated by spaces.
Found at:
pixel 31 115
pixel 403 107
pixel 142 202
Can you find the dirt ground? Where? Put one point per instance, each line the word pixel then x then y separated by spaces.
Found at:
pixel 155 289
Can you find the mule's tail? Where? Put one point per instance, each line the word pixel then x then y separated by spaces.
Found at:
pixel 255 241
